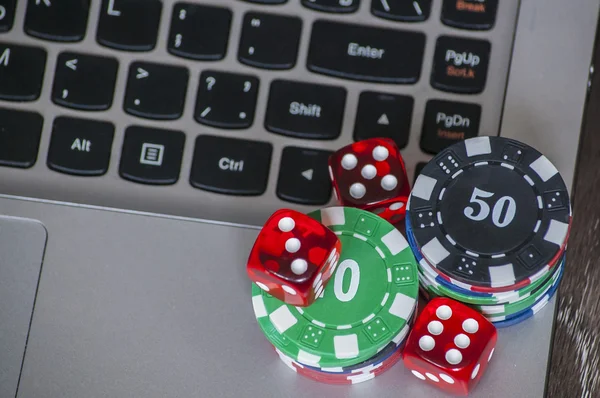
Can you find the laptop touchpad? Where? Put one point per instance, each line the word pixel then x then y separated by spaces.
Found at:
pixel 22 244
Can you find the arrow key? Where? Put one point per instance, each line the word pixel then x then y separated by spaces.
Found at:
pixel 383 115
pixel 304 177
pixel 85 82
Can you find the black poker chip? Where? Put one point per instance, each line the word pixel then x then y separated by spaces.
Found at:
pixel 490 212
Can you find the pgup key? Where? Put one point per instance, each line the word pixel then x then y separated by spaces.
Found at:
pixel 226 100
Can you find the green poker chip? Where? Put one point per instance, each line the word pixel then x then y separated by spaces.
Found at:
pixel 366 304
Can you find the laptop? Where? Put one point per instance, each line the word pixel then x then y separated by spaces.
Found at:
pixel 144 143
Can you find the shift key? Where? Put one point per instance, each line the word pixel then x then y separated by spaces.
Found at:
pixel 303 110
pixel 365 53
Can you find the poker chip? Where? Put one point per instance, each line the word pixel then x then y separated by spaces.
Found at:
pixel 432 282
pixel 342 379
pixel 365 306
pixel 524 304
pixel 460 294
pixel 375 361
pixel 505 313
pixel 530 312
pixel 490 215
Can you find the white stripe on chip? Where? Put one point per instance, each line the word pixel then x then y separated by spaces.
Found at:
pixel 355 379
pixel 402 306
pixel 424 186
pixel 259 306
pixel 502 275
pixel 308 358
pixel 333 216
pixel 345 346
pixel 544 168
pixel 333 370
pixel 434 251
pixel 494 309
pixel 478 146
pixel 400 337
pixel 394 241
pixel 282 319
pixel 540 304
pixel 357 236
pixel 557 232
pixel 539 274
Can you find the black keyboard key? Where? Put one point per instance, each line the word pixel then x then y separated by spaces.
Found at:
pixel 199 32
pixel 151 156
pixel 305 110
pixel 80 147
pixel 63 20
pixel 270 41
pixel 231 166
pixel 402 10
pixel 85 82
pixel 7 14
pixel 337 6
pixel 448 122
pixel 470 14
pixel 268 2
pixel 226 100
pixel 460 65
pixel 21 72
pixel 156 91
pixel 129 25
pixel 304 176
pixel 384 115
pixel 20 134
pixel 365 53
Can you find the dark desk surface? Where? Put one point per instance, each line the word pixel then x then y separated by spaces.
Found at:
pixel 575 361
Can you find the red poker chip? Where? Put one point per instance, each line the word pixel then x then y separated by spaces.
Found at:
pixel 343 379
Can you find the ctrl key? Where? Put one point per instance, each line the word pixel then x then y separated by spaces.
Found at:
pixel 231 166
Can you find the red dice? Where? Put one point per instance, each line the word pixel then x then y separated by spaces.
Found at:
pixel 293 257
pixel 450 346
pixel 370 175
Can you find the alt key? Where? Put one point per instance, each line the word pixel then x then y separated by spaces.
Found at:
pixel 80 146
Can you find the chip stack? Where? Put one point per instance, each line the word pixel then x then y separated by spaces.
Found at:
pixel 488 221
pixel 356 329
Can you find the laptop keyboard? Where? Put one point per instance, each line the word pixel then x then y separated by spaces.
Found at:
pixel 230 99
